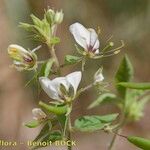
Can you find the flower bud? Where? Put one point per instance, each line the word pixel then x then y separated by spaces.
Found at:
pixel 59 17
pixel 50 15
pixel 38 114
pixel 22 59
pixel 111 44
pixel 98 77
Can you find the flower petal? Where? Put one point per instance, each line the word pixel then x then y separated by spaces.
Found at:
pixel 81 34
pixel 97 51
pixel 74 79
pixel 38 114
pixel 48 87
pixel 16 48
pixel 98 77
pixel 94 42
pixel 60 80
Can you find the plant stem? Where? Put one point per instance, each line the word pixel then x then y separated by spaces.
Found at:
pixel 84 89
pixel 69 132
pixel 113 140
pixel 54 56
pixel 118 130
pixel 83 63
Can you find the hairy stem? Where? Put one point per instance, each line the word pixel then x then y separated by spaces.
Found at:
pixel 118 131
pixel 69 132
pixel 54 56
pixel 113 140
pixel 84 89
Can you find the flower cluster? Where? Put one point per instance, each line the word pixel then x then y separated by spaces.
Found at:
pixel 64 90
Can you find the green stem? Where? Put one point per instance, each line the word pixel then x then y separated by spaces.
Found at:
pixel 82 90
pixel 113 140
pixel 118 130
pixel 69 132
pixel 54 56
pixel 83 63
pixel 65 127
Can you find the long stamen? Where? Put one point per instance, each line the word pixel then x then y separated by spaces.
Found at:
pixel 37 48
pixel 114 53
pixel 116 49
pixel 111 44
pixel 111 52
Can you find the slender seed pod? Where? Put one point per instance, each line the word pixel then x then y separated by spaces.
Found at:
pixel 57 110
pixel 140 142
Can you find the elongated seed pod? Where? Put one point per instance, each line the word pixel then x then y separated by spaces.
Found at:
pixel 140 142
pixel 58 110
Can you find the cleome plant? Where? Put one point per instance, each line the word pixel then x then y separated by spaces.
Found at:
pixel 54 117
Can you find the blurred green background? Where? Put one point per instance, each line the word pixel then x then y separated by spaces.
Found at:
pixel 127 20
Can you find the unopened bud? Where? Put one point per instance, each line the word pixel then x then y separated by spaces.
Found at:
pixel 22 59
pixel 38 114
pixel 111 44
pixel 59 17
pixel 98 77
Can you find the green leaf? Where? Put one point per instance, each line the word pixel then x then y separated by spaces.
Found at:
pixel 105 97
pixel 70 59
pixel 124 74
pixel 138 86
pixel 62 120
pixel 56 109
pixel 47 128
pixel 36 20
pixel 108 118
pixel 93 123
pixel 140 142
pixel 48 136
pixel 33 124
pixel 46 68
pixel 26 26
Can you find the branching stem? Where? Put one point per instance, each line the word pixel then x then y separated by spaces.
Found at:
pixel 54 56
pixel 118 130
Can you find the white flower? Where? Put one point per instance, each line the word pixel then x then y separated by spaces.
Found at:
pixel 98 77
pixel 61 88
pixel 22 59
pixel 38 114
pixel 86 38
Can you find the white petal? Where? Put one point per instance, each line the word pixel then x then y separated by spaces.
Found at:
pixel 81 34
pixel 97 51
pixel 50 90
pixel 94 42
pixel 60 80
pixel 17 47
pixel 38 114
pixel 97 44
pixel 99 77
pixel 74 79
pixel 55 86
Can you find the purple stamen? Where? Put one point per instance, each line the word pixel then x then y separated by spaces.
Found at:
pixel 29 59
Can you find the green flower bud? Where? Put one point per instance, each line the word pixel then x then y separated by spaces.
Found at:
pixel 50 15
pixel 22 59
